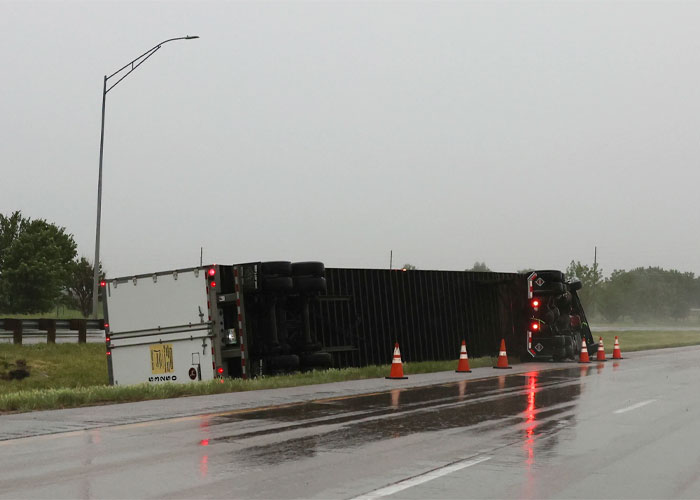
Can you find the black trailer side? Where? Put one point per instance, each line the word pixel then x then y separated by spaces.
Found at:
pixel 363 312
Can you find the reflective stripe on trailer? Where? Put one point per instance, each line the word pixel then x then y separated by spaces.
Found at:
pixel 529 344
pixel 530 288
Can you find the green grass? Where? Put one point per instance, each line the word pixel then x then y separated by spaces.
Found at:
pixel 42 399
pixel 638 340
pixel 54 366
pixel 72 375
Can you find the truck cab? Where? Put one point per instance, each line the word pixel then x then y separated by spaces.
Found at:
pixel 557 323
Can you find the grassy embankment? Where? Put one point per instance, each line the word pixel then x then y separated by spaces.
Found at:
pixel 71 375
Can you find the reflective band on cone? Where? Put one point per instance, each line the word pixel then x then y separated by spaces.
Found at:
pixel 396 365
pixel 463 363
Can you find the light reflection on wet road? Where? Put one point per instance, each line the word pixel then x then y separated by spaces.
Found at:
pixel 551 433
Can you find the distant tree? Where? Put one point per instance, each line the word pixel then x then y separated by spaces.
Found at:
pixel 591 277
pixel 409 267
pixel 649 294
pixel 479 267
pixel 10 228
pixel 614 295
pixel 79 285
pixel 35 257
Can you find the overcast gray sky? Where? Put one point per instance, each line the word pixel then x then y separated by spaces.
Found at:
pixel 521 134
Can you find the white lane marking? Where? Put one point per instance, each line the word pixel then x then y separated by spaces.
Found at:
pixel 422 478
pixel 634 407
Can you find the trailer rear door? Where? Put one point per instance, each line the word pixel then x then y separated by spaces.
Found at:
pixel 159 328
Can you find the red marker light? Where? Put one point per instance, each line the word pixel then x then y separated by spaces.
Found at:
pixel 107 339
pixel 211 271
pixel 109 353
pixel 204 442
pixel 534 327
pixel 535 303
pixel 103 283
pixel 212 284
pixel 220 370
pixel 106 325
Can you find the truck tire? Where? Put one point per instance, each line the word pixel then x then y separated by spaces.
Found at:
pixel 551 276
pixel 317 269
pixel 276 268
pixel 577 343
pixel 550 316
pixel 558 354
pixel 549 289
pixel 563 323
pixel 277 284
pixel 316 360
pixel 570 349
pixel 564 300
pixel 309 284
pixel 566 309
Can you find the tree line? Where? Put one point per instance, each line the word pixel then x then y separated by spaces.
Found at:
pixel 40 268
pixel 641 294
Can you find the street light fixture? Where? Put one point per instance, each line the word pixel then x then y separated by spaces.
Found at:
pixel 132 65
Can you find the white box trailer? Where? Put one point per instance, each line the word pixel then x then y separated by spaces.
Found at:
pixel 159 327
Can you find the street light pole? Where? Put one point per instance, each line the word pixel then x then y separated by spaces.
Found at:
pixel 134 64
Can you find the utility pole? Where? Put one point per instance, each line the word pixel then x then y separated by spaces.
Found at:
pixel 595 276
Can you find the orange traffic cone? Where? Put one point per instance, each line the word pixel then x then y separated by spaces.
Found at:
pixel 601 351
pixel 396 366
pixel 502 362
pixel 463 364
pixel 583 358
pixel 617 354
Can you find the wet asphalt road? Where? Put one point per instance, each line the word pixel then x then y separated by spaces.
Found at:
pixel 627 429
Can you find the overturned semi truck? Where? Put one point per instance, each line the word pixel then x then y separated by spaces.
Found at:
pixel 251 319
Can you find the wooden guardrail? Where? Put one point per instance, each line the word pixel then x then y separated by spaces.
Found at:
pixel 18 327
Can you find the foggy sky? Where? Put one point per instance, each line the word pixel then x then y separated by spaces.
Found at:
pixel 519 134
